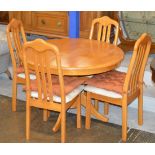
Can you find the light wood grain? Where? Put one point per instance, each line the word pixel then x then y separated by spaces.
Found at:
pixel 87 57
pixel 15 37
pixel 133 85
pixel 48 23
pixel 38 54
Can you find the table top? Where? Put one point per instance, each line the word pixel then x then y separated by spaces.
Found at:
pixel 87 57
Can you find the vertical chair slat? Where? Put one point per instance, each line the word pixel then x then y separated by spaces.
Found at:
pixel 116 31
pixel 99 34
pixel 38 77
pixel 91 32
pixel 19 42
pixel 108 34
pixel 43 78
pixel 140 53
pixel 49 80
pixel 14 35
pixel 138 65
pixel 104 34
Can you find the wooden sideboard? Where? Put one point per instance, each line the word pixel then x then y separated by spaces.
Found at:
pixel 49 23
pixel 4 17
pixel 55 23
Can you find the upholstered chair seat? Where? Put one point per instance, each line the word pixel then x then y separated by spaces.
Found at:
pixel 21 73
pixel 107 84
pixel 73 87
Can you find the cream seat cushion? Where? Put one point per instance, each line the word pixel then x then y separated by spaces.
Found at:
pixel 101 91
pixel 22 75
pixel 69 96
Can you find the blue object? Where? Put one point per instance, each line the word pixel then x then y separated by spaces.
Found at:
pixel 74 22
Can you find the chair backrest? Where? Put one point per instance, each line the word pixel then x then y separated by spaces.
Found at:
pixel 15 37
pixel 135 74
pixel 39 56
pixel 106 27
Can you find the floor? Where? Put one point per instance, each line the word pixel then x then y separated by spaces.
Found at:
pixel 12 127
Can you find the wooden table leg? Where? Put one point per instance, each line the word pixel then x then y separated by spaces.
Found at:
pixel 57 124
pixel 45 115
pixel 94 112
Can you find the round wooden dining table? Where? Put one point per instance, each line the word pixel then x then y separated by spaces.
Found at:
pixel 80 57
pixel 87 57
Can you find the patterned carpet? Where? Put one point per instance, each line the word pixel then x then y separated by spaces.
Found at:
pixel 12 128
pixel 138 136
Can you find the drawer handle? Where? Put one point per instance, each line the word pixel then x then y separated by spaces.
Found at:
pixel 59 24
pixel 43 22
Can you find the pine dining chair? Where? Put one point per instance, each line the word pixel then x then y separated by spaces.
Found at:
pixel 51 90
pixel 16 37
pixel 120 88
pixel 107 31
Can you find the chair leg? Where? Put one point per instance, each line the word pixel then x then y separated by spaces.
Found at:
pixel 83 98
pixel 57 124
pixel 96 105
pixel 63 125
pixel 124 122
pixel 28 117
pixel 79 112
pixel 88 111
pixel 14 93
pixel 45 115
pixel 106 108
pixel 140 108
pixel 48 113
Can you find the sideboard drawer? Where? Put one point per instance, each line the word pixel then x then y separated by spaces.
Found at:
pixel 51 23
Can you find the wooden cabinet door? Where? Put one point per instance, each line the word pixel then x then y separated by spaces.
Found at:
pixel 4 17
pixel 24 16
pixel 86 18
pixel 49 23
pixel 14 14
